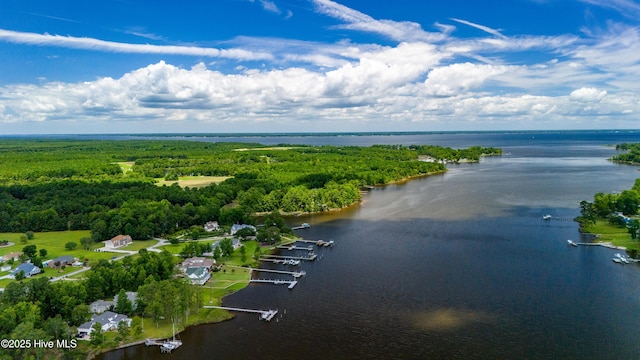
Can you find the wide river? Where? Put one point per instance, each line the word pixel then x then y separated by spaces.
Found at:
pixel 459 265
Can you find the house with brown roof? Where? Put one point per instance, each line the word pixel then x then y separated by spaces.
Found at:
pixel 14 255
pixel 118 241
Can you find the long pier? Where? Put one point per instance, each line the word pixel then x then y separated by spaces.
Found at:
pixel 310 258
pixel 295 274
pixel 266 315
pixel 303 226
pixel 607 245
pixel 291 283
pixel 281 261
pixel 293 247
pixel 318 242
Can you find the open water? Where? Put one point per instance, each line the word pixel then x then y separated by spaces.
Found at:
pixel 453 266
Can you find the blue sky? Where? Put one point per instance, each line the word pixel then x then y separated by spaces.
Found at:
pixel 225 66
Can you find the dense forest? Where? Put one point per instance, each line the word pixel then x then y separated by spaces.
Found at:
pixel 110 187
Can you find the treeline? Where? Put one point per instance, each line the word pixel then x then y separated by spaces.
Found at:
pixel 69 185
pixel 605 206
pixel 632 156
pixel 472 154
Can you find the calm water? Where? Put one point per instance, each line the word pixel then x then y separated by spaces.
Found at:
pixel 458 265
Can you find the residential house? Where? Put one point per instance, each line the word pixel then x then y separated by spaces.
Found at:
pixel 65 260
pixel 118 241
pixel 235 242
pixel 27 268
pixel 109 321
pixel 15 256
pixel 211 226
pixel 197 262
pixel 198 275
pixel 237 227
pixel 100 306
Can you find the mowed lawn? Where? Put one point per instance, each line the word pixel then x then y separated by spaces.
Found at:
pixel 193 181
pixel 54 242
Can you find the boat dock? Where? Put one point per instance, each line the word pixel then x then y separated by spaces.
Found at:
pixel 293 247
pixel 166 346
pixel 319 243
pixel 266 315
pixel 291 283
pixel 282 261
pixel 295 274
pixel 303 226
pixel 607 245
pixel 311 257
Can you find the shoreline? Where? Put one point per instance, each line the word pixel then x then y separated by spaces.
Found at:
pixel 293 215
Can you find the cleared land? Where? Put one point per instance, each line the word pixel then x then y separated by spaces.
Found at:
pixel 618 236
pixel 193 181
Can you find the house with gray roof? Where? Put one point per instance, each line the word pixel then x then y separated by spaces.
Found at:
pixel 198 275
pixel 27 268
pixel 109 321
pixel 65 260
pixel 237 227
pixel 100 306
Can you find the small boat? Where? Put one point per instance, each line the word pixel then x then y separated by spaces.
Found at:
pixel 547 217
pixel 617 260
pixel 572 243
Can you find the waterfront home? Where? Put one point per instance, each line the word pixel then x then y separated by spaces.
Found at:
pixel 198 275
pixel 237 227
pixel 109 321
pixel 118 241
pixel 27 268
pixel 211 226
pixel 100 306
pixel 235 242
pixel 197 262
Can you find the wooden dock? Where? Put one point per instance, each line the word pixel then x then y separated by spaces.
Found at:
pixel 300 227
pixel 295 274
pixel 319 243
pixel 166 346
pixel 311 257
pixel 265 315
pixel 291 283
pixel 293 247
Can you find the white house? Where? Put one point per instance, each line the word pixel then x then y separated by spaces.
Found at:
pixel 198 275
pixel 118 241
pixel 109 321
pixel 211 226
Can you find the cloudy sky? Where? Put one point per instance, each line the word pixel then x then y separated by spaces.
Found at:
pixel 220 66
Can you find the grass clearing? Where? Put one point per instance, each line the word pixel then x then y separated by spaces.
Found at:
pixel 126 166
pixel 618 236
pixel 193 181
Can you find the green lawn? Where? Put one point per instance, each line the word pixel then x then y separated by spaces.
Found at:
pixel 139 244
pixel 610 233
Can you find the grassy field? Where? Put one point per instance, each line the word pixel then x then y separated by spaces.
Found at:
pixel 193 181
pixel 54 242
pixel 610 233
